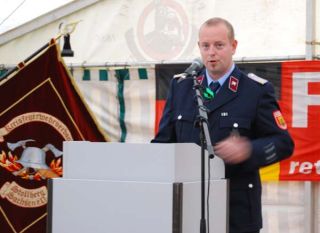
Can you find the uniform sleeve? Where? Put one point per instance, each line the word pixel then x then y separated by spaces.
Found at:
pixel 166 132
pixel 272 142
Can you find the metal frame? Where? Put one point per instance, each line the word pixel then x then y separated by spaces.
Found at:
pixel 309 186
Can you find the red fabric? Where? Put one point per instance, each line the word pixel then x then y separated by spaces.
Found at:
pixel 305 162
pixel 159 109
pixel 38 103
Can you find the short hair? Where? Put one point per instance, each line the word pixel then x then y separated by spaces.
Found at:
pixel 215 21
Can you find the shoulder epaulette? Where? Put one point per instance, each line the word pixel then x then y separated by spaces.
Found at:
pixel 178 75
pixel 257 78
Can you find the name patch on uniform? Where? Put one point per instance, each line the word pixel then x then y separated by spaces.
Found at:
pixel 279 119
pixel 233 84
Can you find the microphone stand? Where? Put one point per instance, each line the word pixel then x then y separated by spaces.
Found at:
pixel 205 141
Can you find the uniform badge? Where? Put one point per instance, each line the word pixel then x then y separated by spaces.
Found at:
pixel 257 78
pixel 233 84
pixel 200 79
pixel 279 120
pixel 208 94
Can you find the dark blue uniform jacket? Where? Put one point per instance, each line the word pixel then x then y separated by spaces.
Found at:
pixel 252 105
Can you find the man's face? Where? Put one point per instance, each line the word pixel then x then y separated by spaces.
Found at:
pixel 216 49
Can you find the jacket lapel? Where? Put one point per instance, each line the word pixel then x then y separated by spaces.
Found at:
pixel 227 92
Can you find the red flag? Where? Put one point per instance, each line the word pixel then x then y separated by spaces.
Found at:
pixel 301 109
pixel 40 108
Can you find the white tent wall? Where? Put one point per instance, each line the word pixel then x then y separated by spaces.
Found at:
pixel 283 207
pixel 137 31
pixel 317 29
pixel 103 98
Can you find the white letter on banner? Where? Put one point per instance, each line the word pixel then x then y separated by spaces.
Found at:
pixel 300 98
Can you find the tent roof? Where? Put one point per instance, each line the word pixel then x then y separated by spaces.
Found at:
pixel 122 31
pixel 17 12
pixel 44 19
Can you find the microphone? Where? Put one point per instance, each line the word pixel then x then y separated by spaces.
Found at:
pixel 195 66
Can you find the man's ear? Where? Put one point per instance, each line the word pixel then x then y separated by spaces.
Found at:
pixel 234 46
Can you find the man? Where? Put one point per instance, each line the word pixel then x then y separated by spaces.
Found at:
pixel 246 126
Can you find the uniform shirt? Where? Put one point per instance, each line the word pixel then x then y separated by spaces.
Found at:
pixel 220 80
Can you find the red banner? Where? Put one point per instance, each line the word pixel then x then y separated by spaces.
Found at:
pixel 40 108
pixel 300 105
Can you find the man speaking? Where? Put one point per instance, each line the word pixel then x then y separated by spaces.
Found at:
pixel 246 126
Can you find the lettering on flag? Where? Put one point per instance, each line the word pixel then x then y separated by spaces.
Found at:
pixel 41 107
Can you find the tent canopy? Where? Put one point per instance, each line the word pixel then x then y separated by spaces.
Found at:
pixel 110 31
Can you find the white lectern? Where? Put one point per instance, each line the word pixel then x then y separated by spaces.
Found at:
pixel 136 188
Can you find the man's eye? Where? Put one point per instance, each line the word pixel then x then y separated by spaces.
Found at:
pixel 205 46
pixel 219 46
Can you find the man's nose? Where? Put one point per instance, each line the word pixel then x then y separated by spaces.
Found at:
pixel 212 50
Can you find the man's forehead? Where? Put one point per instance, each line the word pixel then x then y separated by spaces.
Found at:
pixel 213 25
pixel 210 32
pixel 218 32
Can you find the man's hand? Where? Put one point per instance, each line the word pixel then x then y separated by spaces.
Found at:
pixel 234 149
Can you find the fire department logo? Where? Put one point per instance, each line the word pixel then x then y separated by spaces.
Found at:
pixel 280 120
pixel 30 162
pixel 163 32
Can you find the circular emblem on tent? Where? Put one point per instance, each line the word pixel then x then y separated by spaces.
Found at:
pixel 162 29
pixel 163 32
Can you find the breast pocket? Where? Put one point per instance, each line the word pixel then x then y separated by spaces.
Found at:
pixel 240 125
pixel 184 126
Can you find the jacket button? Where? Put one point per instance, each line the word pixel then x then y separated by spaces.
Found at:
pixel 179 117
pixel 235 125
pixel 250 186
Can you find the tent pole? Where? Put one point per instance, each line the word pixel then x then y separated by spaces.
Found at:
pixel 152 63
pixel 310 29
pixel 309 187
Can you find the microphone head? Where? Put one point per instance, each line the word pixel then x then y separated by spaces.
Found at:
pixel 195 66
pixel 198 64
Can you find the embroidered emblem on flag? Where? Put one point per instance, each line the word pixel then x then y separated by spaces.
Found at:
pixel 45 110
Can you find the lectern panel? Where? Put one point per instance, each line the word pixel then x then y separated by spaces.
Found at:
pixel 154 162
pixel 136 188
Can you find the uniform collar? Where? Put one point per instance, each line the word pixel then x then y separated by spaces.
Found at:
pixel 222 79
pixel 227 92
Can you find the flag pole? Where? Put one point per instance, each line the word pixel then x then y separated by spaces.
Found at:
pixel 67 30
pixel 21 64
